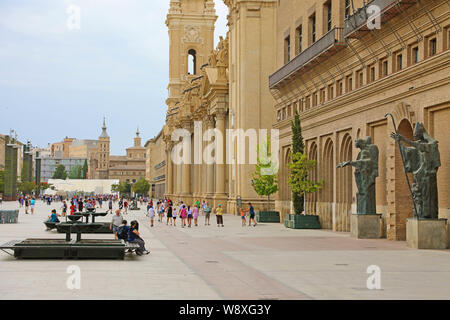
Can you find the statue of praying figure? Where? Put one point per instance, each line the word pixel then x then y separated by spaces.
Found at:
pixel 366 171
pixel 422 159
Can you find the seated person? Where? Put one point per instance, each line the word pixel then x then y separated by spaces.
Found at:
pixel 122 232
pixel 53 217
pixel 134 237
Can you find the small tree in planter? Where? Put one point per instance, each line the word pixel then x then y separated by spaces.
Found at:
pixel 265 181
pixel 300 185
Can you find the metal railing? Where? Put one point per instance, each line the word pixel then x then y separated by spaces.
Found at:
pixel 332 38
pixel 359 18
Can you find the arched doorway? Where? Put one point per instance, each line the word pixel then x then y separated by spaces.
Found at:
pixel 345 186
pixel 311 199
pixel 326 210
pixel 403 201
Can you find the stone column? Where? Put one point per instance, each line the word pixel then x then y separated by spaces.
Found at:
pixel 220 155
pixel 210 167
pixel 169 178
pixel 186 177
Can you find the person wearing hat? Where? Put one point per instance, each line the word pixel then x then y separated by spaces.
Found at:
pixel 219 215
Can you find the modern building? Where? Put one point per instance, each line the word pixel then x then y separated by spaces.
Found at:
pixel 46 166
pixel 343 73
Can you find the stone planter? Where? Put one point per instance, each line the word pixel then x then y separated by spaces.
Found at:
pixel 297 221
pixel 268 217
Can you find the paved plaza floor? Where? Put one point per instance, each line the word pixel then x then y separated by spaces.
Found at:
pixel 208 263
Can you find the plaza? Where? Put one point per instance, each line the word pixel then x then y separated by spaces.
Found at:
pixel 267 262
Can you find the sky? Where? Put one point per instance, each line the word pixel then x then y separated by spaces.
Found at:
pixel 57 81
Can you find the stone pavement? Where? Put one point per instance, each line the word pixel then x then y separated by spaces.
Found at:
pixel 207 262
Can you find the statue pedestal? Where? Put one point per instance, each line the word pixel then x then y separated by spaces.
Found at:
pixel 366 226
pixel 426 234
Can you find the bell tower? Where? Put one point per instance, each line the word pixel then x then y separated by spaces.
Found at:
pixel 103 153
pixel 191 39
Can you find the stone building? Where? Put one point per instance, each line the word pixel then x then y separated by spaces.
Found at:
pixel 225 88
pixel 156 166
pixel 62 149
pixel 342 72
pixel 129 168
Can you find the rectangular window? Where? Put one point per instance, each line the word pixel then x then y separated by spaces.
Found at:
pixel 415 55
pixel 322 96
pixel 399 62
pixel 384 68
pixel 308 102
pixel 330 92
pixel 315 99
pixel 349 83
pixel 432 47
pixel 347 8
pixel 298 39
pixel 370 73
pixel 301 105
pixel 329 19
pixel 360 80
pixel 287 49
pixel 340 88
pixel 312 29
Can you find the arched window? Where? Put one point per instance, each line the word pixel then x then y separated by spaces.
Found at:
pixel 192 62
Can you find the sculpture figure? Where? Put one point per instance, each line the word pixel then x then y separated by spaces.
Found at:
pixel 366 171
pixel 422 159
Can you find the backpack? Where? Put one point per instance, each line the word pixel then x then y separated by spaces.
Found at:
pixel 122 233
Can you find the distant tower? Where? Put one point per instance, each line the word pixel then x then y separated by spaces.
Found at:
pixel 103 153
pixel 137 139
pixel 191 36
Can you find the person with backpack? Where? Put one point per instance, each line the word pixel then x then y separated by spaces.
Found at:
pixel 183 215
pixel 122 232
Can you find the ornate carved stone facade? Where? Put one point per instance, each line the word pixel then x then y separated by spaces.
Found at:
pixel 228 90
pixel 343 77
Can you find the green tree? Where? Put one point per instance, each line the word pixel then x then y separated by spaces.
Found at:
pixel 300 167
pixel 27 187
pixel 122 187
pixel 265 176
pixel 76 172
pixel 60 172
pixel 298 146
pixel 141 187
pixel 2 181
pixel 85 169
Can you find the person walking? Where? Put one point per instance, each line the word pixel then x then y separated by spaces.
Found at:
pixel 110 206
pixel 183 215
pixel 195 213
pixel 169 214
pixel 27 205
pixel 80 206
pixel 135 237
pixel 174 214
pixel 64 208
pixel 219 216
pixel 116 222
pixel 151 215
pixel 251 212
pixel 190 216
pixel 207 210
pixel 125 205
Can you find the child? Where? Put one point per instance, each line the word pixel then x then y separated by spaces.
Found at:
pixel 190 216
pixel 243 216
pixel 196 213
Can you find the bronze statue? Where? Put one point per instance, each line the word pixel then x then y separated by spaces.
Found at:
pixel 366 171
pixel 422 159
